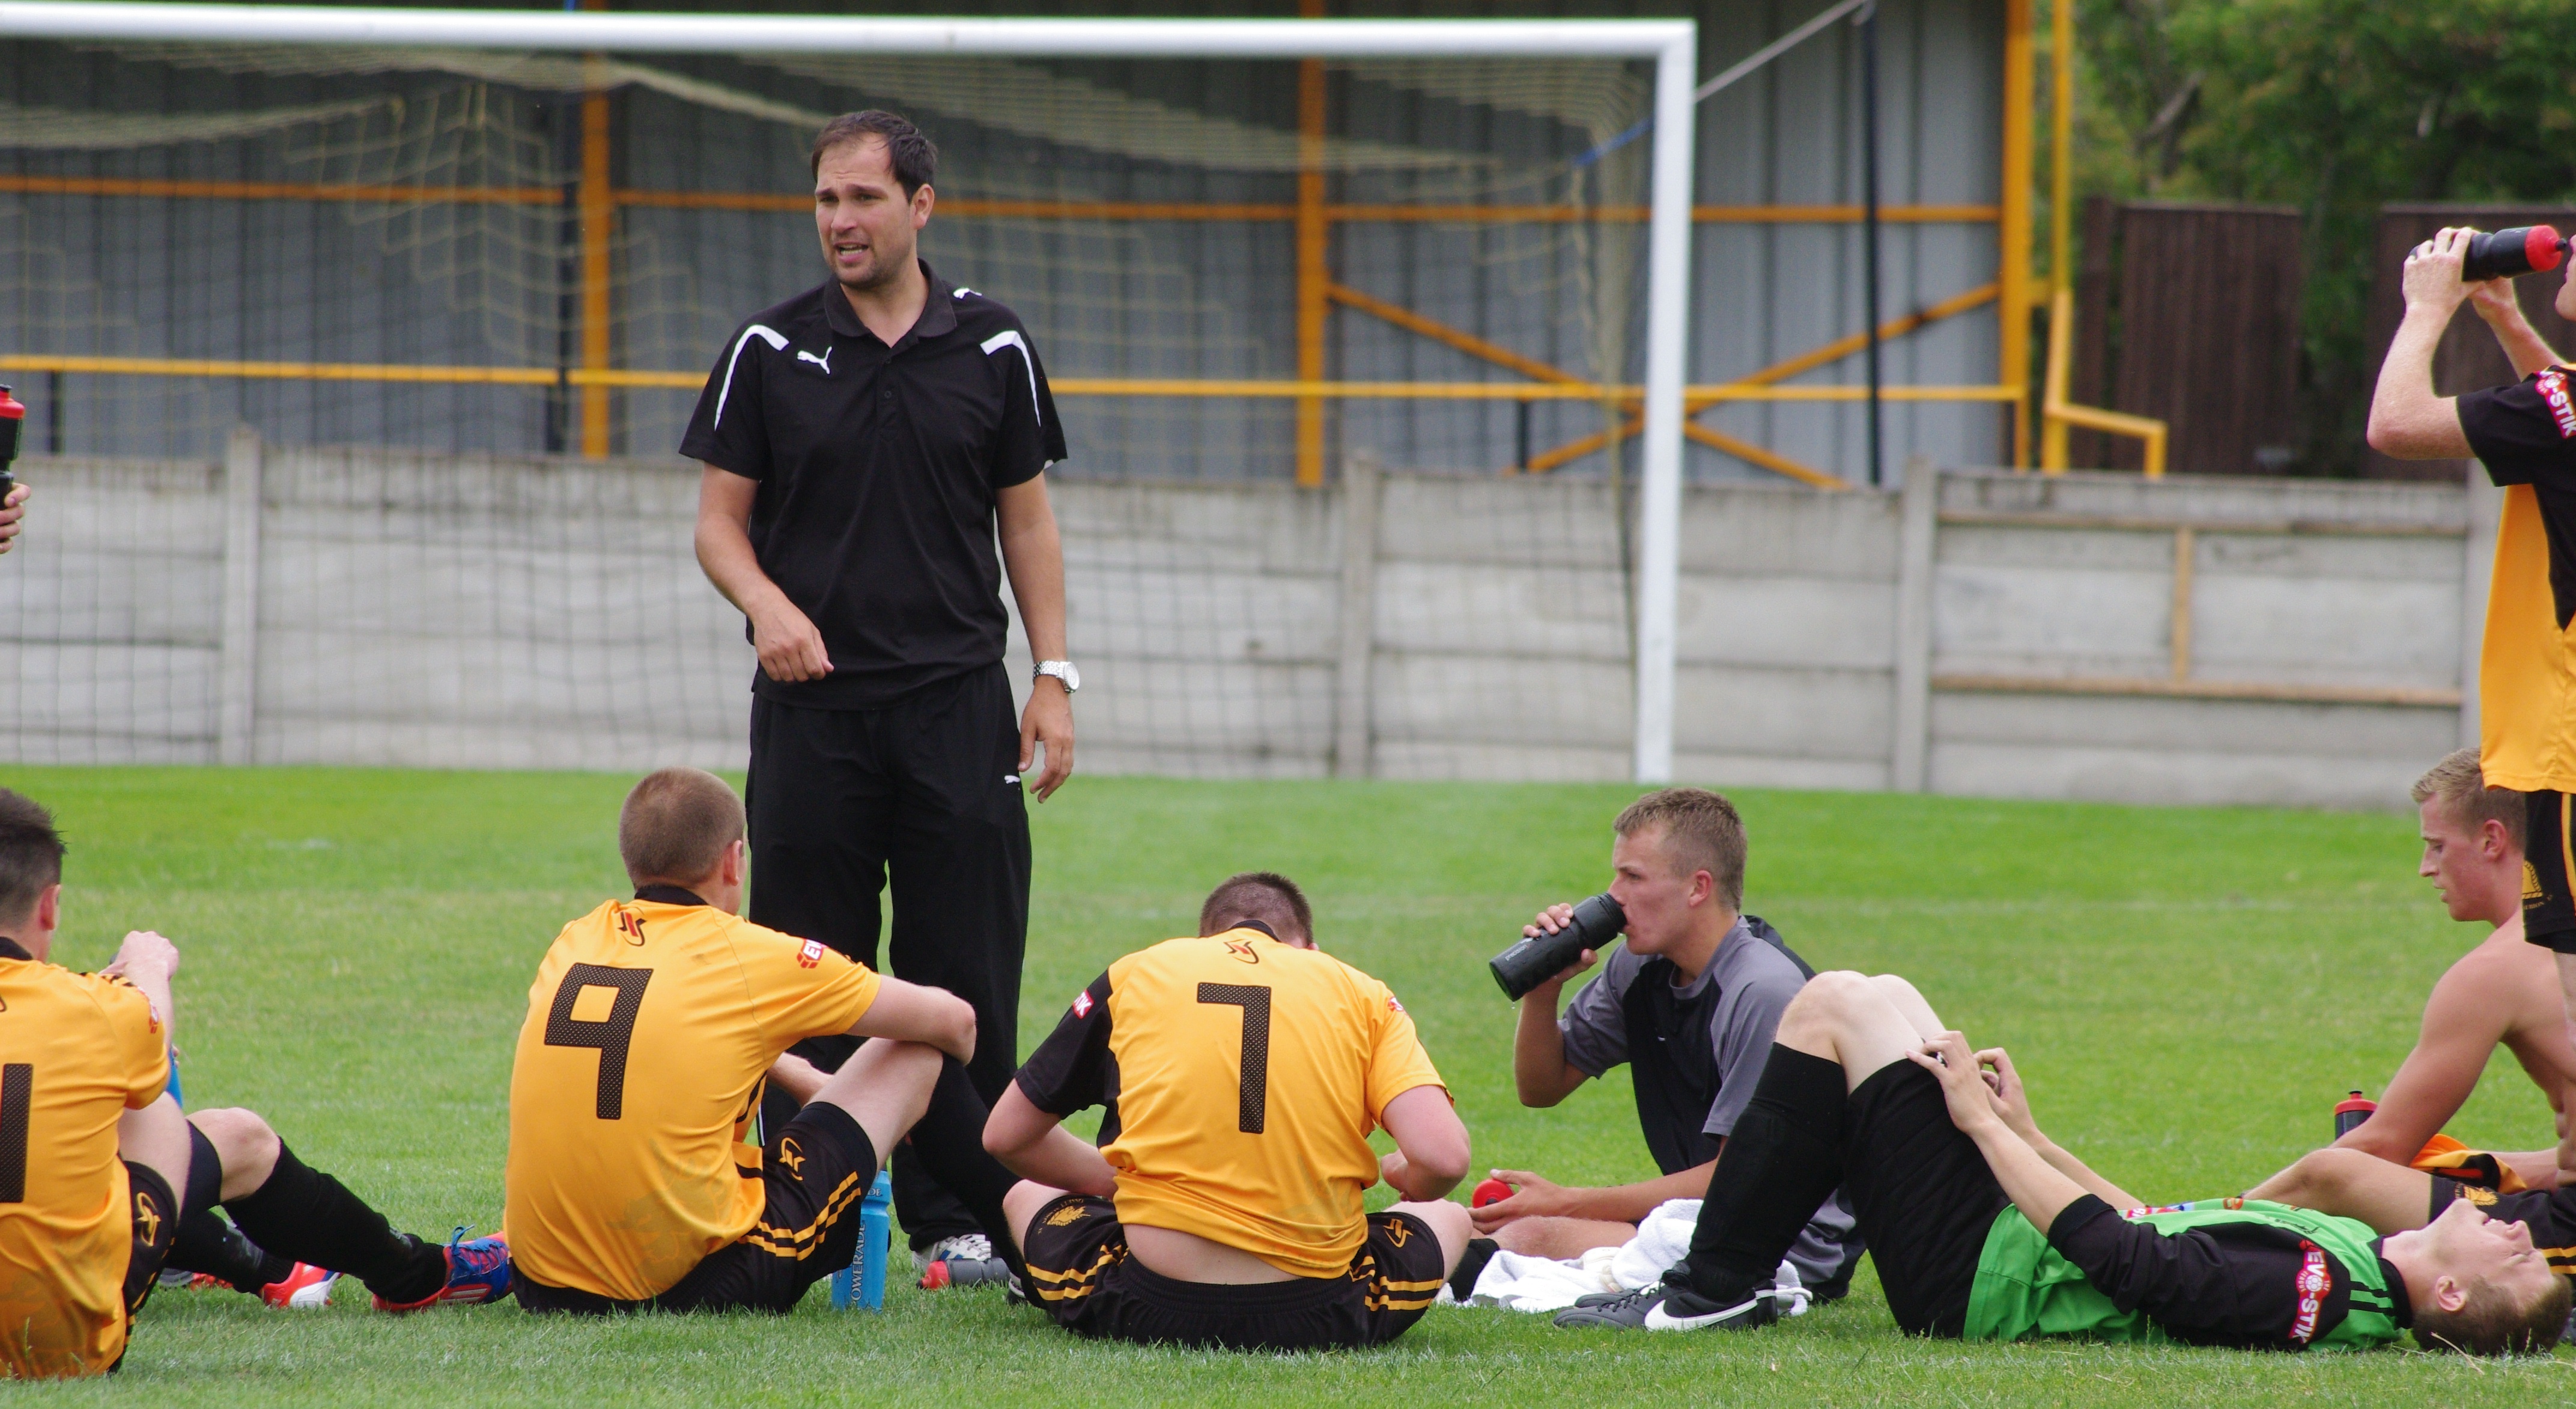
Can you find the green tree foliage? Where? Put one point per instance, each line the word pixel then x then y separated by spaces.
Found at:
pixel 2336 106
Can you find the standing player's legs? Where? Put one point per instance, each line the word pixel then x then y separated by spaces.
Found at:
pixel 820 812
pixel 960 872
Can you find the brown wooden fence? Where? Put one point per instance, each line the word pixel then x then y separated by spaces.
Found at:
pixel 2468 357
pixel 2190 313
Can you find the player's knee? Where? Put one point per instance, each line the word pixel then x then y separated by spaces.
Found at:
pixel 1020 1206
pixel 1448 1222
pixel 1896 989
pixel 243 1141
pixel 1823 1000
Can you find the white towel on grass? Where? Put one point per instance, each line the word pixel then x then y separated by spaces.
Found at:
pixel 1518 1283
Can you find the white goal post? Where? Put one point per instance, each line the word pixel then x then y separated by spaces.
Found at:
pixel 1672 44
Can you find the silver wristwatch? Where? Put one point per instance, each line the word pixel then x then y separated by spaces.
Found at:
pixel 1062 670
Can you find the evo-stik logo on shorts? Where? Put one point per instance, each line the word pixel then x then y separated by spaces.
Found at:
pixel 2553 389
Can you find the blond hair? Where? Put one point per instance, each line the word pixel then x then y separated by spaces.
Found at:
pixel 1701 833
pixel 2462 787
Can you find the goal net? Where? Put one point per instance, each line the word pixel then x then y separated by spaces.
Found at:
pixel 462 299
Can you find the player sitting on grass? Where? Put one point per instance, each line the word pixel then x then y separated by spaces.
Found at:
pixel 1984 1229
pixel 2502 993
pixel 633 1180
pixel 1688 1003
pixel 98 1167
pixel 1242 1072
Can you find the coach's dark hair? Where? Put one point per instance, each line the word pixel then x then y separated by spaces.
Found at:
pixel 1702 832
pixel 31 855
pixel 2462 786
pixel 2488 1323
pixel 676 825
pixel 1267 896
pixel 914 159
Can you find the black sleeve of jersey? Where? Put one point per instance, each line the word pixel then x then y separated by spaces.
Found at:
pixel 2236 1286
pixel 1031 436
pixel 726 430
pixel 2515 433
pixel 1072 1068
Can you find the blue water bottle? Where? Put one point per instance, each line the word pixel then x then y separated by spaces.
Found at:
pixel 862 1283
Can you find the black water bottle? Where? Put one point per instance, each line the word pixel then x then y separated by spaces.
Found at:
pixel 2351 1111
pixel 1534 961
pixel 2508 254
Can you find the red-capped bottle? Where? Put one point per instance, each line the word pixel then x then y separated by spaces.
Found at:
pixel 13 418
pixel 2351 1111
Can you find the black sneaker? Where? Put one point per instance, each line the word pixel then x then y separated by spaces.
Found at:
pixel 1660 1308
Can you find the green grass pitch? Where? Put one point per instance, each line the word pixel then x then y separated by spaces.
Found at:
pixel 2189 991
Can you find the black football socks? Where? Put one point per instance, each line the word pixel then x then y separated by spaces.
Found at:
pixel 208 1244
pixel 305 1215
pixel 1782 1161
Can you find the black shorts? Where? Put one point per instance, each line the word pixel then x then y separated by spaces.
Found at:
pixel 155 1214
pixel 1922 1195
pixel 2548 905
pixel 2550 1214
pixel 1080 1270
pixel 814 1173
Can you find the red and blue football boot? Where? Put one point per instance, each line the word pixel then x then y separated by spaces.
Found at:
pixel 478 1270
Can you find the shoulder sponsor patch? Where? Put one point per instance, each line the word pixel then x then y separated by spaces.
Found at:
pixel 1393 1006
pixel 2552 386
pixel 1082 1004
pixel 809 954
pixel 2313 1284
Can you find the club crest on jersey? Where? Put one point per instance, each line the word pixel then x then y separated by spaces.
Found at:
pixel 2313 1284
pixel 809 954
pixel 2553 390
pixel 1242 950
pixel 1082 1004
pixel 631 927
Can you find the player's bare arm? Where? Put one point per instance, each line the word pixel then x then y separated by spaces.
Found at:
pixel 2391 1198
pixel 2469 1013
pixel 1431 1148
pixel 1536 1196
pixel 2012 1106
pixel 1033 554
pixel 912 1012
pixel 1034 1145
pixel 1540 1072
pixel 148 961
pixel 2495 302
pixel 790 645
pixel 2406 419
pixel 2036 1186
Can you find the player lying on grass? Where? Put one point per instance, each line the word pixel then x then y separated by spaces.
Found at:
pixel 1689 1003
pixel 1984 1229
pixel 1242 1072
pixel 2502 993
pixel 98 1167
pixel 2394 1199
pixel 633 1179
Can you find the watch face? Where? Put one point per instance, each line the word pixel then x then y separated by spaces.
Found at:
pixel 1072 678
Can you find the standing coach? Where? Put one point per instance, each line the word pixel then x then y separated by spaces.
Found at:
pixel 863 442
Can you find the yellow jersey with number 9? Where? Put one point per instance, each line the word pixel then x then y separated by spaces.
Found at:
pixel 650 1028
pixel 1243 1077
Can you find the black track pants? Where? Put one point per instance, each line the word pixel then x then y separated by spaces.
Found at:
pixel 925 790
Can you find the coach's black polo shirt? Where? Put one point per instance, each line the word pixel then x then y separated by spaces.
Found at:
pixel 878 470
